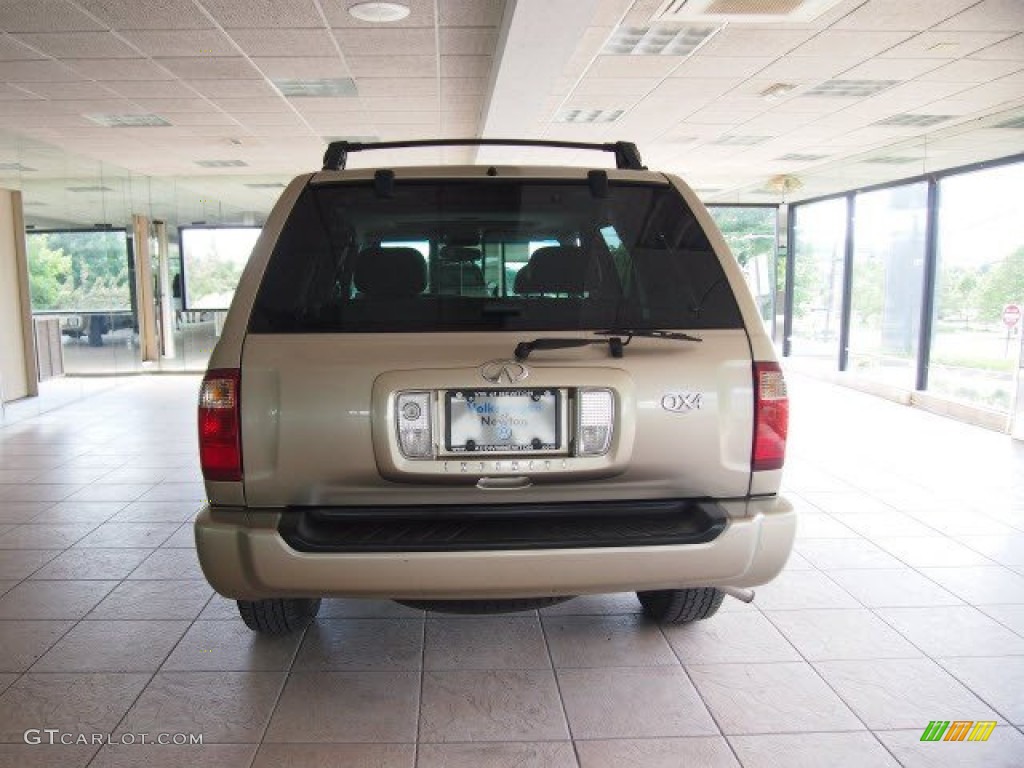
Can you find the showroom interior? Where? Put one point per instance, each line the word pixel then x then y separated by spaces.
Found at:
pixel 864 160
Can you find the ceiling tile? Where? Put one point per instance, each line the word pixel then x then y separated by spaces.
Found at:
pixel 465 66
pixel 385 42
pixel 1011 49
pixel 631 87
pixel 204 68
pixel 197 118
pixel 470 13
pixel 277 104
pixel 736 41
pixel 633 66
pixel 268 119
pixel 275 14
pixel 12 50
pixel 132 14
pixel 404 118
pixel 850 44
pixel 119 69
pixel 158 89
pixel 940 45
pixel 299 68
pixel 35 72
pixel 970 71
pixel 237 89
pixel 911 15
pixel 804 69
pixel 284 42
pixel 7 93
pixel 988 15
pixel 44 16
pixel 180 43
pixel 400 103
pixel 479 41
pixel 82 89
pixel 392 66
pixel 79 45
pixel 891 69
pixel 464 85
pixel 176 105
pixel 721 66
pixel 421 15
pixel 397 86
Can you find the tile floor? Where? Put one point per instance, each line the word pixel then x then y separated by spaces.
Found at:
pixel 903 603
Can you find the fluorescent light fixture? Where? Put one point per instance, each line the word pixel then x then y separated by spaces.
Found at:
pixel 379 13
pixel 658 40
pixel 89 189
pixel 777 91
pixel 740 141
pixel 15 167
pixel 266 185
pixel 1015 122
pixel 128 121
pixel 891 160
pixel 850 89
pixel 321 87
pixel 796 157
pixel 221 163
pixel 915 121
pixel 588 115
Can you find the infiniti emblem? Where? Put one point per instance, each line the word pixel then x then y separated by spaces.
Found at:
pixel 508 371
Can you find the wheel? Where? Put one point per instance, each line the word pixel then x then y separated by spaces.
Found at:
pixel 278 616
pixel 681 606
pixel 484 606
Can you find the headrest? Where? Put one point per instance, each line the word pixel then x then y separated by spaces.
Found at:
pixel 390 272
pixel 554 269
pixel 459 253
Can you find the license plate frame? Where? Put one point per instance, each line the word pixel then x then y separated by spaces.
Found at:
pixel 504 406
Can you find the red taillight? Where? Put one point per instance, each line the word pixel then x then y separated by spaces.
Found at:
pixel 220 434
pixel 771 417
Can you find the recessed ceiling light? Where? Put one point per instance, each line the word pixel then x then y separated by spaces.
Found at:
pixel 15 167
pixel 797 157
pixel 221 163
pixel 266 185
pixel 1016 122
pixel 914 121
pixel 379 13
pixel 322 87
pixel 584 115
pixel 89 189
pixel 850 89
pixel 740 141
pixel 892 160
pixel 659 40
pixel 128 121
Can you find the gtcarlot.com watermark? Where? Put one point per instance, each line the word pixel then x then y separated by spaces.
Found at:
pixel 57 736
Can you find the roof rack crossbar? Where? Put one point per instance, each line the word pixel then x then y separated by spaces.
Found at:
pixel 627 156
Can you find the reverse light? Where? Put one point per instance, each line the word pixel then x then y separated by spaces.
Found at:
pixel 771 417
pixel 413 417
pixel 220 434
pixel 594 422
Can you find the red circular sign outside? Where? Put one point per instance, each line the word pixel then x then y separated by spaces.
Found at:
pixel 1011 315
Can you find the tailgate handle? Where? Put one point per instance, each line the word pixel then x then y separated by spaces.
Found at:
pixel 503 483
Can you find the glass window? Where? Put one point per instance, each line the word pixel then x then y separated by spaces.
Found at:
pixel 752 235
pixel 888 269
pixel 818 263
pixel 500 255
pixel 980 272
pixel 212 261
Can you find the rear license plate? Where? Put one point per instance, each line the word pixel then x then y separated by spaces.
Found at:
pixel 502 420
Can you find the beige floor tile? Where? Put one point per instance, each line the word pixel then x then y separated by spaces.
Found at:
pixel 903 693
pixel 895 588
pixel 53 599
pixel 128 475
pixel 169 564
pixel 183 492
pixel 616 603
pixel 727 637
pixel 980 585
pixel 926 551
pixel 171 756
pixel 1011 616
pixel 18 564
pixel 489 642
pixel 154 600
pixel 954 631
pixel 33 492
pixel 114 492
pixel 157 512
pixel 361 707
pixel 891 524
pixel 361 608
pixel 821 526
pixel 811 750
pixel 847 504
pixel 703 751
pixel 771 698
pixel 842 634
pixel 44 536
pixel 79 512
pixel 113 646
pixel 1006 550
pixel 497 705
pixel 183 538
pixel 335 756
pixel 794 590
pixel 7 680
pixel 231 646
pixel 630 703
pixel 956 523
pixel 553 754
pixel 13 512
pixel 223 609
pixel 72 703
pixel 606 641
pixel 1002 750
pixel 382 644
pixel 999 682
pixel 92 563
pixel 139 535
pixel 45 755
pixel 829 554
pixel 22 643
pixel 225 707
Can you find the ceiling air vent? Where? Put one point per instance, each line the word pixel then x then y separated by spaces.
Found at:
pixel 892 160
pixel 221 163
pixel 266 185
pixel 15 167
pixel 584 115
pixel 1015 123
pixel 89 189
pixel 796 157
pixel 322 87
pixel 850 89
pixel 914 121
pixel 128 121
pixel 742 10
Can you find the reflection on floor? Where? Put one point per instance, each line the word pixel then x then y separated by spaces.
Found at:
pixel 904 603
pixel 119 352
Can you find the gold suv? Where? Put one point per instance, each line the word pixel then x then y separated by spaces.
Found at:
pixel 490 388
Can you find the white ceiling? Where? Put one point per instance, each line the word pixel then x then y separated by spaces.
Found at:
pixel 212 69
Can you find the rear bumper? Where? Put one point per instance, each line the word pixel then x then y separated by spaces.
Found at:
pixel 244 556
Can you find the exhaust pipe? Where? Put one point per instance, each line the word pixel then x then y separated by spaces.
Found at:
pixel 746 595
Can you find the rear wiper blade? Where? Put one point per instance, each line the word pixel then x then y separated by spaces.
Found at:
pixel 629 333
pixel 524 348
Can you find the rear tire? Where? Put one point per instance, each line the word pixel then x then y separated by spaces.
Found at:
pixel 681 606
pixel 483 607
pixel 278 616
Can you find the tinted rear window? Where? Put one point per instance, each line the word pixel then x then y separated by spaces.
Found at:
pixel 491 254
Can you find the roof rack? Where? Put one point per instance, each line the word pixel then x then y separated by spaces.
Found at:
pixel 627 156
